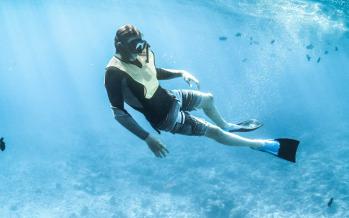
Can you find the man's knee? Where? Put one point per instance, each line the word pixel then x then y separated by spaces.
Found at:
pixel 213 131
pixel 207 100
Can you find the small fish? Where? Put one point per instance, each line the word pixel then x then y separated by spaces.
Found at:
pixel 251 38
pixel 222 38
pixel 318 60
pixel 244 60
pixel 326 52
pixel 238 34
pixel 2 144
pixel 308 57
pixel 255 42
pixel 310 46
pixel 336 48
pixel 329 204
pixel 272 41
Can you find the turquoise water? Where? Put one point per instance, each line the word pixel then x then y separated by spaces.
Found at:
pixel 67 157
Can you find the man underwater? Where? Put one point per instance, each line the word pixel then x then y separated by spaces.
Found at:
pixel 132 77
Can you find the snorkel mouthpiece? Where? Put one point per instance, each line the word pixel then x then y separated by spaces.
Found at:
pixel 137 45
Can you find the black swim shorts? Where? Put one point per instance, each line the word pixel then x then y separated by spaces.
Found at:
pixel 179 120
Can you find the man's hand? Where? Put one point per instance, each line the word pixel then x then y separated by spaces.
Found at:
pixel 156 146
pixel 189 78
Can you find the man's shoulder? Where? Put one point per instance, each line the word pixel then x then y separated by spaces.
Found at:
pixel 114 72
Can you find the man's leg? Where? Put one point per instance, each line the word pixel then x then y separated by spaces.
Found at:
pixel 209 108
pixel 227 138
pixel 195 126
pixel 193 99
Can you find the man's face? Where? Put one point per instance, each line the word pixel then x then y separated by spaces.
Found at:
pixel 133 56
pixel 131 39
pixel 136 44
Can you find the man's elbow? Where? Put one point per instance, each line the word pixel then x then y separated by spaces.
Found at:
pixel 119 113
pixel 122 118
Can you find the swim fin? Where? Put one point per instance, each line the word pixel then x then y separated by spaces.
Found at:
pixel 282 148
pixel 247 126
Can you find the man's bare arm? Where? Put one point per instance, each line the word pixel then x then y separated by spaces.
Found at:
pixel 165 74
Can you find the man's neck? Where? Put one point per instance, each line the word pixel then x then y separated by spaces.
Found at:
pixel 134 61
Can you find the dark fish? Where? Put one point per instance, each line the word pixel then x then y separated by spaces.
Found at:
pixel 308 57
pixel 222 38
pixel 238 34
pixel 244 60
pixel 272 41
pixel 310 46
pixel 318 60
pixel 336 48
pixel 326 52
pixel 2 144
pixel 329 204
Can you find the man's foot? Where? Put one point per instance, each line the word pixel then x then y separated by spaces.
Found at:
pixel 245 126
pixel 283 148
pixel 231 127
pixel 269 145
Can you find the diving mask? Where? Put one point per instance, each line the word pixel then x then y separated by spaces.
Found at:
pixel 136 46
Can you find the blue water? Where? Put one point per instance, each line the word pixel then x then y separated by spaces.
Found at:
pixel 67 157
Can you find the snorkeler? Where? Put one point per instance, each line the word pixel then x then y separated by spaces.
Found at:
pixel 132 77
pixel 2 144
